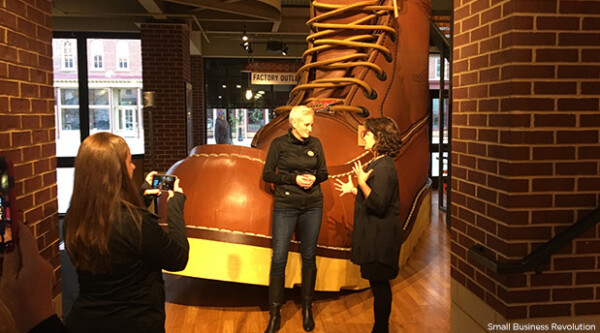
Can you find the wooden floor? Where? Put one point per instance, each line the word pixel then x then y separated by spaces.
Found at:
pixel 421 298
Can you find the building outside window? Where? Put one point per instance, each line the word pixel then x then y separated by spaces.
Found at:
pixel 122 55
pixel 97 54
pixel 114 85
pixel 68 59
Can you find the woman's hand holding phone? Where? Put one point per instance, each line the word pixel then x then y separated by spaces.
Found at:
pixel 151 191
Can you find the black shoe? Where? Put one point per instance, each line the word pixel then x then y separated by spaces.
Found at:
pixel 275 302
pixel 308 291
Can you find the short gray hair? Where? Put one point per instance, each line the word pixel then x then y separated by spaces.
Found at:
pixel 300 111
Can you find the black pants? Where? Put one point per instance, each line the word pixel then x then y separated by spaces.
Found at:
pixel 382 304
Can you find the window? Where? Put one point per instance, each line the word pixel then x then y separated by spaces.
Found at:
pixel 122 55
pixel 99 110
pixel 97 54
pixel 68 61
pixel 438 68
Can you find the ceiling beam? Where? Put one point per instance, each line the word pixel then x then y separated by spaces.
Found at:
pixel 155 7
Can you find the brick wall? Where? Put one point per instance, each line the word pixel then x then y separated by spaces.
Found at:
pixel 526 150
pixel 27 123
pixel 166 69
pixel 199 104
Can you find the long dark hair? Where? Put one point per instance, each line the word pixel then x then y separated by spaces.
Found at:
pixel 101 188
pixel 387 136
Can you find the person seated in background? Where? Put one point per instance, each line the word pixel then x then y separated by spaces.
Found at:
pixel 117 245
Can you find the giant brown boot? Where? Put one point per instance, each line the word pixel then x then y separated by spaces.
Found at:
pixel 275 302
pixel 363 60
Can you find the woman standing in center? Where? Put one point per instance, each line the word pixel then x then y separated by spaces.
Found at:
pixel 377 235
pixel 296 165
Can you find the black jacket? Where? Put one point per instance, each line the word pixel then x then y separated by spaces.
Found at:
pixel 131 298
pixel 289 157
pixel 377 235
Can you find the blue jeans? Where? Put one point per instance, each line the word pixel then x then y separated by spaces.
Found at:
pixel 284 224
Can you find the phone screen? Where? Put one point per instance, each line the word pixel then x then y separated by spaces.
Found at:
pixel 164 182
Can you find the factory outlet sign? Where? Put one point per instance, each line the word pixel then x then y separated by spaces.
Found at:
pixel 273 78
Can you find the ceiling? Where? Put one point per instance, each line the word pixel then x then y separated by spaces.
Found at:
pixel 215 24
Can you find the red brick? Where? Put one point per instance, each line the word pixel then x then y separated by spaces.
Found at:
pixel 590 88
pixel 583 278
pixel 511 23
pixel 527 72
pixel 511 55
pixel 557 23
pixel 550 310
pixel 579 7
pixel 526 104
pixel 555 88
pixel 510 120
pixel 587 247
pixel 8 87
pixel 577 137
pixel 531 201
pixel 506 152
pixel 492 14
pixel 591 23
pixel 20 139
pixel 578 104
pixel 510 88
pixel 588 184
pixel 479 62
pixel 477 120
pixel 489 74
pixel 590 308
pixel 487 165
pixel 573 263
pixel 513 38
pixel 557 55
pixel 553 153
pixel 488 105
pixel 589 152
pixel 482 33
pixel 524 296
pixel 525 169
pixel 476 177
pixel 552 216
pixel 551 279
pixel 553 184
pixel 578 72
pixel 470 23
pixel 590 55
pixel 554 120
pixel 575 200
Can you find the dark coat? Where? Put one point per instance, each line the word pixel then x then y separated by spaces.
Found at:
pixel 131 297
pixel 377 235
pixel 289 157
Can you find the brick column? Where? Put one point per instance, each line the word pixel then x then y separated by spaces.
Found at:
pixel 27 126
pixel 526 154
pixel 199 103
pixel 166 69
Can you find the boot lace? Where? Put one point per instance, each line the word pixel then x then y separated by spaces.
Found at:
pixel 363 44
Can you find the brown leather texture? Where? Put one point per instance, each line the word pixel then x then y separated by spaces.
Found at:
pixel 223 183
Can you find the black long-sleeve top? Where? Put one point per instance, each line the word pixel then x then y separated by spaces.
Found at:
pixel 377 235
pixel 289 157
pixel 131 297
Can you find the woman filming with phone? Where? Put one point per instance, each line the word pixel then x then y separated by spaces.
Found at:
pixel 116 244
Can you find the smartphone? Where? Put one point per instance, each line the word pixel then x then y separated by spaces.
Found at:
pixel 164 182
pixel 7 206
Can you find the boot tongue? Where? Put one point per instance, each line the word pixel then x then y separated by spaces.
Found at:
pixel 336 52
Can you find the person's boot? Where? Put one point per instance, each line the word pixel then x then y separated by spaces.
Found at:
pixel 308 290
pixel 362 61
pixel 275 302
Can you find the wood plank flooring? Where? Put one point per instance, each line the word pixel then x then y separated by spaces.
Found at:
pixel 421 298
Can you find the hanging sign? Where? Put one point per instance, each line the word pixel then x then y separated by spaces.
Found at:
pixel 273 78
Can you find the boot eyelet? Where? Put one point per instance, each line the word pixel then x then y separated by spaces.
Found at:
pixel 372 95
pixel 365 113
pixel 382 76
pixel 389 57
